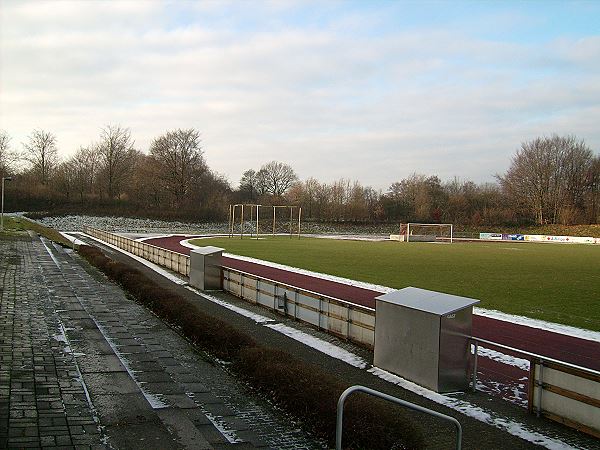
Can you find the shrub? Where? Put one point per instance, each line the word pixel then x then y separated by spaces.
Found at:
pixel 303 389
pixel 368 422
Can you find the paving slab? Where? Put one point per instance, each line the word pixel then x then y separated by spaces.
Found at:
pixel 123 378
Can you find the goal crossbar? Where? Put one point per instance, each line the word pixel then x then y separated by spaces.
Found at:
pixel 254 217
pixel 414 225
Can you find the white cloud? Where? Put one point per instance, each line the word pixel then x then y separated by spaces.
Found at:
pixel 332 100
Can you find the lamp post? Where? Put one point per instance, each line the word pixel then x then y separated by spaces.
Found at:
pixel 2 212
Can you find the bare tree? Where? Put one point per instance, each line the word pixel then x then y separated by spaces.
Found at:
pixel 42 154
pixel 592 197
pixel 277 177
pixel 547 176
pixel 7 157
pixel 85 166
pixel 116 156
pixel 179 162
pixel 64 179
pixel 249 188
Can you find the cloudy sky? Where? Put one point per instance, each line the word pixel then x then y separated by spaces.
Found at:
pixel 364 90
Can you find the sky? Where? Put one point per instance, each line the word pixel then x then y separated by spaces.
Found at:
pixel 369 90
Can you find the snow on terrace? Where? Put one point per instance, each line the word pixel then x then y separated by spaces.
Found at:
pixel 130 224
pixel 139 225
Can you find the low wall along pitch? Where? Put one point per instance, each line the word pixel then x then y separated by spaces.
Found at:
pixel 560 391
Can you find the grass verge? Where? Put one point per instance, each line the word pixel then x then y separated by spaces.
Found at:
pixel 313 395
pixel 14 225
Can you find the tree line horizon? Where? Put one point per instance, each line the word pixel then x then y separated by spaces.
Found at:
pixel 551 180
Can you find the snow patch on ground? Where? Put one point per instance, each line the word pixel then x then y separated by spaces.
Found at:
pixel 244 312
pixel 503 358
pixel 512 392
pixel 220 425
pixel 470 410
pixel 541 324
pixel 154 399
pixel 186 242
pixel 319 344
pixel 72 239
pixel 130 224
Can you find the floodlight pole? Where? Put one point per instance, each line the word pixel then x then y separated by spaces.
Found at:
pixel 299 215
pixel 2 213
pixel 274 220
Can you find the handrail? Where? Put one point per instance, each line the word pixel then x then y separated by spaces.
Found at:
pixel 366 390
pixel 534 356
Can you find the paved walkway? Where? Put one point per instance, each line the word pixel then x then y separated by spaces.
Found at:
pixel 83 366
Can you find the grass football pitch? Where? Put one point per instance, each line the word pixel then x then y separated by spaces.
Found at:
pixel 552 282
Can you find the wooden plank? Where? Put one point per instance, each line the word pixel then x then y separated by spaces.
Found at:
pixel 572 395
pixel 573 371
pixel 572 424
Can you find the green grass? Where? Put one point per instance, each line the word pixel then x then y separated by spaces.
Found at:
pixel 13 226
pixel 552 282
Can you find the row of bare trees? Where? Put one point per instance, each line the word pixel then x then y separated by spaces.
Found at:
pixel 171 179
pixel 551 180
pixel 555 179
pixel 417 198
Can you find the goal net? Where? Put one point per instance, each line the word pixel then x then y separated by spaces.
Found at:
pixel 255 220
pixel 426 232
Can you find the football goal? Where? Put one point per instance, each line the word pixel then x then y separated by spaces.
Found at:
pixel 426 232
pixel 258 220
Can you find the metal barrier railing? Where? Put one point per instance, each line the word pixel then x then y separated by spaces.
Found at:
pixel 558 390
pixel 334 315
pixel 374 393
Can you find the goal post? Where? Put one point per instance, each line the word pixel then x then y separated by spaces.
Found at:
pixel 427 231
pixel 276 219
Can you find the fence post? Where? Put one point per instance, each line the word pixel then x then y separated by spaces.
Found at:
pixel 476 348
pixel 540 383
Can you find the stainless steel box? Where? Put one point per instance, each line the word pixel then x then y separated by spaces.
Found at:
pixel 205 268
pixel 423 336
